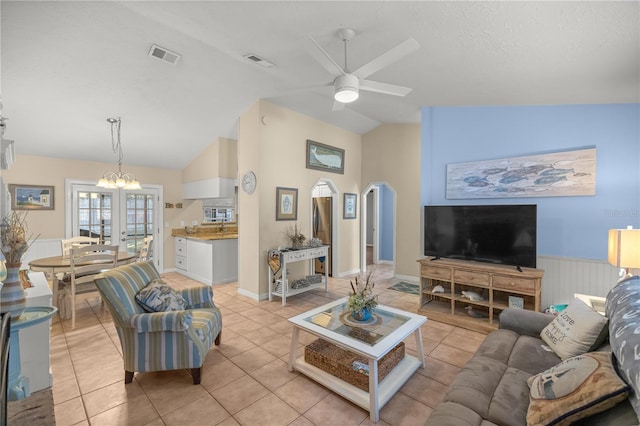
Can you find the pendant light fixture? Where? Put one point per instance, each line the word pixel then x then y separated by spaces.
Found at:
pixel 117 180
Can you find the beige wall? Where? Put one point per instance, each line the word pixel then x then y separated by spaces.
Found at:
pixel 219 159
pixel 49 224
pixel 276 152
pixel 391 154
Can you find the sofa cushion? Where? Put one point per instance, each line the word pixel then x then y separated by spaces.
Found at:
pixel 575 388
pixel 575 330
pixel 158 296
pixel 623 309
pixel 453 414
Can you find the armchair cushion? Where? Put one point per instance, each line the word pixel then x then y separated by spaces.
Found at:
pixel 162 321
pixel 158 296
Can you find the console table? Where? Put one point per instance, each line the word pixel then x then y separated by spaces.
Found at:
pixel 499 287
pixel 283 288
pixel 18 384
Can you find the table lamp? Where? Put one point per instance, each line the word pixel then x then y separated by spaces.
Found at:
pixel 624 248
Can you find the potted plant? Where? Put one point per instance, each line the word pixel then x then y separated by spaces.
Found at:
pixel 295 235
pixel 362 301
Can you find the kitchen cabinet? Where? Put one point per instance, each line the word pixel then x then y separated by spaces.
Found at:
pixel 200 260
pixel 209 188
pixel 208 261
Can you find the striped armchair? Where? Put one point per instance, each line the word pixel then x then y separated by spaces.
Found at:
pixel 159 341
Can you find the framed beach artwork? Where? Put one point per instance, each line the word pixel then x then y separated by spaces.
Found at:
pixel 31 197
pixel 286 203
pixel 350 205
pixel 553 174
pixel 325 157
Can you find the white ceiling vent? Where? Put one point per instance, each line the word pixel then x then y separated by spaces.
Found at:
pixel 164 54
pixel 258 60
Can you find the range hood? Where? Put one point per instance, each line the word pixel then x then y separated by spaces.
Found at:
pixel 217 202
pixel 209 188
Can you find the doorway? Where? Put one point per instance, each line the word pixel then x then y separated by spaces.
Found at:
pixel 378 225
pixel 117 217
pixel 324 222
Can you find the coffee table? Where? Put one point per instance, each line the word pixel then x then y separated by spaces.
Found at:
pixel 372 340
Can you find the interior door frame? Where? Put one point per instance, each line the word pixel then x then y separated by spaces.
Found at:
pixel 363 223
pixel 158 234
pixel 334 220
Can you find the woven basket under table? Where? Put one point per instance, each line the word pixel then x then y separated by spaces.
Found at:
pixel 338 362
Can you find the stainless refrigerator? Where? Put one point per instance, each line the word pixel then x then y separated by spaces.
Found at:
pixel 322 229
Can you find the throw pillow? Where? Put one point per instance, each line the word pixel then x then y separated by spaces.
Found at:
pixel 576 388
pixel 158 296
pixel 574 331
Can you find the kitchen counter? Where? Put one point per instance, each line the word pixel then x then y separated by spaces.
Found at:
pixel 205 236
pixel 208 232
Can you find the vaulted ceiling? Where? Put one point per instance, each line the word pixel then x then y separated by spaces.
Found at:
pixel 67 66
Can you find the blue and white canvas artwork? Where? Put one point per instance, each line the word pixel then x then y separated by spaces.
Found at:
pixel 553 174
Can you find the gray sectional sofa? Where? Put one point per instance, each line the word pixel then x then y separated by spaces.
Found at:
pixel 492 388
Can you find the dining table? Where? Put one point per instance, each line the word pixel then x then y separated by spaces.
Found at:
pixel 54 265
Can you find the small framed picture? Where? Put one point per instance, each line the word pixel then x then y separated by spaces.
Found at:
pixel 350 205
pixel 286 203
pixel 31 197
pixel 516 302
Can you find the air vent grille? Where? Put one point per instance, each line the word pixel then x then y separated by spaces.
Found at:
pixel 258 60
pixel 164 54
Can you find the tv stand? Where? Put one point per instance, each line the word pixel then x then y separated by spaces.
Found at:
pixel 499 287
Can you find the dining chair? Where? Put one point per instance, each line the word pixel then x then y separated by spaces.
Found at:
pixel 146 252
pixel 66 244
pixel 86 262
pixel 65 250
pixel 5 331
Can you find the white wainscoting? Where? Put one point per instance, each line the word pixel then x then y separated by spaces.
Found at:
pixel 565 276
pixel 42 248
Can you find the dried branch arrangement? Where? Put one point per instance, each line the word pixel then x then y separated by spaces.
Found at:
pixel 13 234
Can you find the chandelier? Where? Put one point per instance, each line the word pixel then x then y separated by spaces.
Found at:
pixel 117 180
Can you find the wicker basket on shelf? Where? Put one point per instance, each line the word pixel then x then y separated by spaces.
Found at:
pixel 339 362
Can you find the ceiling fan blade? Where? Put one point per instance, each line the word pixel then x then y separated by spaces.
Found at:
pixel 391 56
pixel 387 89
pixel 337 106
pixel 323 58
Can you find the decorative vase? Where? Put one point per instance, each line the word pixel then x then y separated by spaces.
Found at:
pixel 12 296
pixel 362 315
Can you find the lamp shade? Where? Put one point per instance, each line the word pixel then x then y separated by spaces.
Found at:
pixel 624 248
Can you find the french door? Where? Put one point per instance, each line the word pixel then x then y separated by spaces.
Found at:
pixel 117 217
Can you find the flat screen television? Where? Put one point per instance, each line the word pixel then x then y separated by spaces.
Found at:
pixel 501 234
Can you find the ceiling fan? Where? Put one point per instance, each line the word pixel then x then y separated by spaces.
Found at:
pixel 347 84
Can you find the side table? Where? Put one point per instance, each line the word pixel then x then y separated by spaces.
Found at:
pixel 18 384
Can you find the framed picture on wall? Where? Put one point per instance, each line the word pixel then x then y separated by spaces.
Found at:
pixel 31 197
pixel 325 157
pixel 350 205
pixel 286 203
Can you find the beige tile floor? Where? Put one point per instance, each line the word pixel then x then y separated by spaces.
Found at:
pixel 245 380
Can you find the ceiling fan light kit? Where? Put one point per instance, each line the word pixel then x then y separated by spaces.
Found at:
pixel 346 88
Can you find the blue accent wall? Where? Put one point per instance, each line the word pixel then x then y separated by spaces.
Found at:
pixel 386 223
pixel 567 226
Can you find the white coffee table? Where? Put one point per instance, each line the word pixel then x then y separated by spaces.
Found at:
pixel 388 328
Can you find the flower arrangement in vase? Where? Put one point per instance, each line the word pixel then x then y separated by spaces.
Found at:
pixel 295 235
pixel 362 301
pixel 13 244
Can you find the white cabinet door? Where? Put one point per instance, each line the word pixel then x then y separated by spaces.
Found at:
pixel 225 261
pixel 200 260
